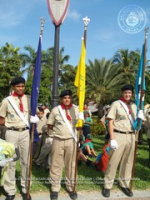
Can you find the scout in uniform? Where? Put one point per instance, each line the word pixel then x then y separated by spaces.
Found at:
pixel 14 114
pixel 122 141
pixel 62 121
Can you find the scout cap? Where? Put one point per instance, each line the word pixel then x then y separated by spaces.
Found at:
pixel 107 106
pixel 65 93
pixel 89 136
pixel 86 112
pixel 17 80
pixel 127 87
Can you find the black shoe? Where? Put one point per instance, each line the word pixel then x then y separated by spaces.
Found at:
pixel 24 196
pixel 54 195
pixel 73 195
pixel 10 197
pixel 127 191
pixel 89 162
pixel 106 192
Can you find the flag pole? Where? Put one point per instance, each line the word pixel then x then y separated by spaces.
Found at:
pixel 86 21
pixel 140 107
pixel 32 132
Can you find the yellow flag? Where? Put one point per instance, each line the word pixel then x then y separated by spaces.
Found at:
pixel 80 81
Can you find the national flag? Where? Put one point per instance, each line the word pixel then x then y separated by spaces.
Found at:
pixel 80 82
pixel 138 88
pixel 36 85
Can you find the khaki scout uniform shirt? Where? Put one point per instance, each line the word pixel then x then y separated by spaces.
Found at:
pixel 41 125
pixel 120 118
pixel 60 128
pixel 12 119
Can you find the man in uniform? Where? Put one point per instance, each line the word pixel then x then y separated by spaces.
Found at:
pixel 17 133
pixel 61 122
pixel 121 117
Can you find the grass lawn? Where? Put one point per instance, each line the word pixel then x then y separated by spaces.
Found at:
pixel 88 178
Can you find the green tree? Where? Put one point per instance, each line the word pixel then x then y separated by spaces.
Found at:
pixel 100 82
pixel 10 64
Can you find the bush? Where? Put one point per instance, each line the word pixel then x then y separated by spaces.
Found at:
pixel 97 128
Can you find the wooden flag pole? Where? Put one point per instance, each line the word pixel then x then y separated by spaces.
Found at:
pixel 32 136
pixel 140 106
pixel 86 21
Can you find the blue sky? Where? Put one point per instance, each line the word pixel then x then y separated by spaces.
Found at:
pixel 20 26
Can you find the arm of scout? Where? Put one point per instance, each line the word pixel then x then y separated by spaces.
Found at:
pixel 3 111
pixel 113 143
pixel 2 121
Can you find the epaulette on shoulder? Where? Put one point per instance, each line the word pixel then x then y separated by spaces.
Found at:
pixel 75 106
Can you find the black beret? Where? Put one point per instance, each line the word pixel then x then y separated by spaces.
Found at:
pixel 127 87
pixel 65 93
pixel 17 80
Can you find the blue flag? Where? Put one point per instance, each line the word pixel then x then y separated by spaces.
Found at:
pixel 138 89
pixel 36 85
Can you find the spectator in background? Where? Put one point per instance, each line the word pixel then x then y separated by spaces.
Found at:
pixel 87 122
pixel 41 124
pixel 86 109
pixel 88 148
pixel 45 108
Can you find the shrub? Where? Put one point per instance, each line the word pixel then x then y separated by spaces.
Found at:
pixel 97 128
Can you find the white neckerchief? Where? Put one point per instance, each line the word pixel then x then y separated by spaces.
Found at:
pixel 67 123
pixel 18 111
pixel 127 111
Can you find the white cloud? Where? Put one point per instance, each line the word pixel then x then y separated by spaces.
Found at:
pixel 74 15
pixel 13 13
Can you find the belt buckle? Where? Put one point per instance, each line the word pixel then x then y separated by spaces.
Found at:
pixel 20 129
pixel 127 132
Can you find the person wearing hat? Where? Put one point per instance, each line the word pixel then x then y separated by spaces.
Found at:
pixel 61 124
pixel 14 114
pixel 121 117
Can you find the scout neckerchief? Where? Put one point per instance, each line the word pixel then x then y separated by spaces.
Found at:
pixel 20 98
pixel 126 106
pixel 17 110
pixel 66 109
pixel 67 122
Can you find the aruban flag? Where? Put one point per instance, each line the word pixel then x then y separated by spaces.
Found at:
pixel 138 89
pixel 80 82
pixel 36 85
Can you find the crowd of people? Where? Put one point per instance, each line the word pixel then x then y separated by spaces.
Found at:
pixel 58 139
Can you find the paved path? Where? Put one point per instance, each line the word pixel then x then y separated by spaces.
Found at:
pixel 115 195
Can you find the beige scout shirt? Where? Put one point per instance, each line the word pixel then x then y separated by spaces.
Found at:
pixel 60 128
pixel 12 119
pixel 121 120
pixel 41 125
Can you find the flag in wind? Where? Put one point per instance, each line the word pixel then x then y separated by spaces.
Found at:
pixel 138 88
pixel 80 81
pixel 36 84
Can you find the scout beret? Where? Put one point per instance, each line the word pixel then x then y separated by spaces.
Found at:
pixel 127 87
pixel 65 93
pixel 17 80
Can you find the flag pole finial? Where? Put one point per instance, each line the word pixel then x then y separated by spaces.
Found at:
pixel 86 21
pixel 146 31
pixel 42 25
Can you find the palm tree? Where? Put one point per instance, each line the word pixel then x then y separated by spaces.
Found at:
pixel 28 61
pixel 127 65
pixel 100 81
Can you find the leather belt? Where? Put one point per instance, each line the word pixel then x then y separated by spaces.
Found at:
pixel 18 129
pixel 127 132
